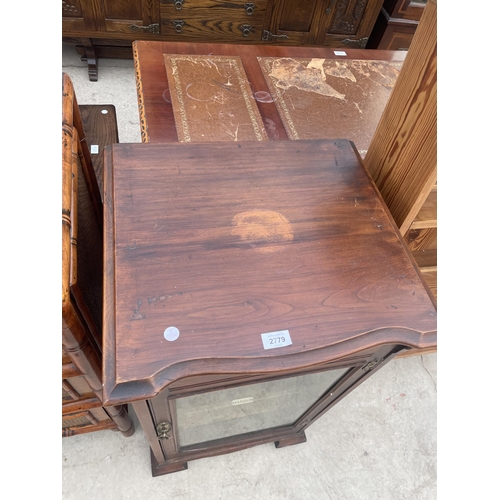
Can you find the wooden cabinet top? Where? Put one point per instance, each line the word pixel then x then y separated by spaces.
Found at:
pixel 210 246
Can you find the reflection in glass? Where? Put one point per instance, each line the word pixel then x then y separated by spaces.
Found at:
pixel 230 412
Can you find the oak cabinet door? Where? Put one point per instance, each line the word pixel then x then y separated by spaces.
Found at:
pixel 77 15
pixel 348 23
pixel 294 22
pixel 128 16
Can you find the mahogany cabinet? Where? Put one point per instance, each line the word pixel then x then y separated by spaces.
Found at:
pixel 249 287
pixel 107 28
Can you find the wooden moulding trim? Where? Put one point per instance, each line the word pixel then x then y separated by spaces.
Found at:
pixel 108 327
pixel 136 390
pixel 140 95
pixel 229 445
pixel 416 352
pixel 118 414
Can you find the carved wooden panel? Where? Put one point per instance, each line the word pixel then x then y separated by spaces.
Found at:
pixel 71 8
pixel 348 16
pixel 77 16
pixel 349 24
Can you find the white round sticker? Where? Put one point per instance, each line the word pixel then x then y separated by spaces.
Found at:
pixel 171 333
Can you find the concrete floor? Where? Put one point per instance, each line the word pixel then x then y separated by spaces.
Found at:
pixel 379 443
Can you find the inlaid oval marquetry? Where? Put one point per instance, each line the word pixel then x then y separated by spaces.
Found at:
pixel 264 230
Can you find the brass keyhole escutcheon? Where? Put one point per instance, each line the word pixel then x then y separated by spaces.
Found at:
pixel 162 430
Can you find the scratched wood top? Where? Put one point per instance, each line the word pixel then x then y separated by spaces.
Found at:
pixel 227 241
pixel 322 98
pixel 212 100
pixel 155 100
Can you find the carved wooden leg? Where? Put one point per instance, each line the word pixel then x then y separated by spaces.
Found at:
pixel 91 59
pixel 121 418
pixel 296 439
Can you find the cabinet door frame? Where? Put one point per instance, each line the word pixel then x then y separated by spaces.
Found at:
pixel 162 409
pixel 356 37
pixel 294 37
pixel 83 23
pixel 150 16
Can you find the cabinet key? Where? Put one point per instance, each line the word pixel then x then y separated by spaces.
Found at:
pixel 267 35
pixel 152 28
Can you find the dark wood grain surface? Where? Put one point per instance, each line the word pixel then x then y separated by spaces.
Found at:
pixel 228 241
pixel 101 130
pixel 155 108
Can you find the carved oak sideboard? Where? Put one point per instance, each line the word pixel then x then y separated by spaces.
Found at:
pixel 107 28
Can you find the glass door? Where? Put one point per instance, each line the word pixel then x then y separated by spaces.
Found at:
pixel 249 408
